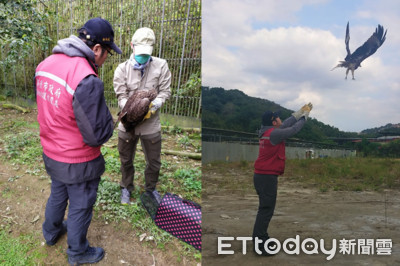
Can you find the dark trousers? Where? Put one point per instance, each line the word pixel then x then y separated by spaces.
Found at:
pixel 266 187
pixel 82 197
pixel 151 145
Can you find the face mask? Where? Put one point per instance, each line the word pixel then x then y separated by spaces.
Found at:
pixel 142 58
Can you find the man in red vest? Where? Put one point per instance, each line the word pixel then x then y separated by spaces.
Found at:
pixel 271 163
pixel 74 122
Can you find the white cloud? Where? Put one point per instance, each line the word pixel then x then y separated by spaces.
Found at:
pixel 291 65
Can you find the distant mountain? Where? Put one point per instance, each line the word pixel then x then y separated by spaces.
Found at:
pixel 236 111
pixel 387 130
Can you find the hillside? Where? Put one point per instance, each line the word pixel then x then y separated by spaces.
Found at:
pixel 234 110
pixel 387 130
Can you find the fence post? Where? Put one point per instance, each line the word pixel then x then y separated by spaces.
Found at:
pixel 58 27
pixel 172 18
pixel 71 19
pixel 120 34
pixel 198 112
pixel 26 88
pixel 15 79
pixel 4 71
pixel 162 29
pixel 183 53
pixel 141 15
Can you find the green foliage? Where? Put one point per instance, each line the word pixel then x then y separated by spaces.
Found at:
pixel 234 110
pixel 197 142
pixel 192 86
pixel 109 208
pixel 111 156
pixel 29 29
pixel 108 201
pixel 372 149
pixel 176 129
pixel 23 147
pixel 387 130
pixel 22 25
pixel 391 149
pixel 184 141
pixel 366 148
pixel 23 250
pixel 191 181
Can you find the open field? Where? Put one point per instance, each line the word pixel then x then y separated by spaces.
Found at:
pixel 306 206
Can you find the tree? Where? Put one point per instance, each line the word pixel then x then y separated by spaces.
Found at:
pixel 391 149
pixel 234 110
pixel 367 148
pixel 21 26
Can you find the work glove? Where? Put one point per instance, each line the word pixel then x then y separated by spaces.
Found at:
pixel 153 107
pixel 307 107
pixel 122 103
pixel 156 104
pixel 303 111
pixel 306 114
pixel 150 112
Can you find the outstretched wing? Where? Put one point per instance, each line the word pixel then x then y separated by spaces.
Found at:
pixel 369 47
pixel 347 39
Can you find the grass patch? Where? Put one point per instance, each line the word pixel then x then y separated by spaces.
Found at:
pixel 190 181
pixel 23 147
pixel 228 176
pixel 108 208
pixel 20 144
pixel 23 250
pixel 346 174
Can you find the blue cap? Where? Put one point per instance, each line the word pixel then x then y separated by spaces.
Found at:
pixel 99 30
pixel 268 117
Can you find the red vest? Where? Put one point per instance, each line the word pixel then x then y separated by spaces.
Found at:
pixel 271 159
pixel 57 78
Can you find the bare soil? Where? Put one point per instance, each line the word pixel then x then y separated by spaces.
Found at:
pixel 22 205
pixel 230 206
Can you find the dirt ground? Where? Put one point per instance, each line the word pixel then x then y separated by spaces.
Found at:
pixel 22 206
pixel 230 205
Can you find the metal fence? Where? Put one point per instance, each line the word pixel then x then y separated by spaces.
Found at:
pixel 215 135
pixel 176 24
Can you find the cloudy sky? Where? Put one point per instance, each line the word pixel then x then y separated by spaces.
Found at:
pixel 284 51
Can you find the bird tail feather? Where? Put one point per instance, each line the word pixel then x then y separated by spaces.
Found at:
pixel 341 64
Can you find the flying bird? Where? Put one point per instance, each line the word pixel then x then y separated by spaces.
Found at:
pixel 353 60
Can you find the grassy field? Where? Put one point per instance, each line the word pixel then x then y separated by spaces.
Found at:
pixel 20 148
pixel 346 174
pixel 335 174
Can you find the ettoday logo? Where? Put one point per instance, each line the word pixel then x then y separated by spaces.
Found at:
pixel 310 246
pixel 291 246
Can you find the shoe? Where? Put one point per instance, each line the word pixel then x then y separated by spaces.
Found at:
pixel 157 196
pixel 60 234
pixel 92 255
pixel 154 195
pixel 125 196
